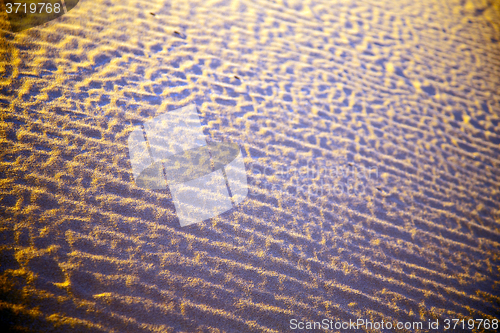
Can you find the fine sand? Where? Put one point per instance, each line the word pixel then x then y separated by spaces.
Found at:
pixel 370 132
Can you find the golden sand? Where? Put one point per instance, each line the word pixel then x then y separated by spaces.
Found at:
pixel 407 88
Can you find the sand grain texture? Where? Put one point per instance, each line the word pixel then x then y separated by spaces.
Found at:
pixel 409 88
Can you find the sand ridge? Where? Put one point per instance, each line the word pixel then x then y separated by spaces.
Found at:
pixel 310 90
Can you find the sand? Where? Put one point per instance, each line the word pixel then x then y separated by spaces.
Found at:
pixel 370 134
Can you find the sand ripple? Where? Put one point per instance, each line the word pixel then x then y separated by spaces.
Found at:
pixel 308 89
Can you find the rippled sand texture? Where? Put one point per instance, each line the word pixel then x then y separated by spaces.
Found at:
pixel 409 88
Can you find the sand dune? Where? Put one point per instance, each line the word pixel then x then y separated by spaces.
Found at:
pixel 370 133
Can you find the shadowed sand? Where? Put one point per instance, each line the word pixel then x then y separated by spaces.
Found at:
pixel 312 92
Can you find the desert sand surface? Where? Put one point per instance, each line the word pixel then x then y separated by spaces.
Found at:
pixel 370 132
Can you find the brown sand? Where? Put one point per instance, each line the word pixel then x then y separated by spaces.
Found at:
pixel 410 88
